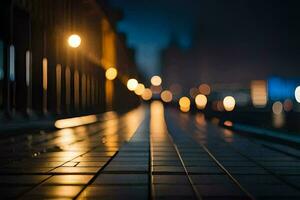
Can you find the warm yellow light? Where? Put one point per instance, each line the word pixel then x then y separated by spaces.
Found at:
pixel 185 109
pixel 184 102
pixel 156 81
pixel 201 101
pixel 111 73
pixel 166 96
pixel 147 94
pixel 297 94
pixel 139 90
pixel 259 93
pixel 229 103
pixel 204 89
pixel 277 108
pixel 132 84
pixel 74 41
pixel 75 121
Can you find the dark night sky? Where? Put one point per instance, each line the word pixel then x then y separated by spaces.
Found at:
pixel 253 24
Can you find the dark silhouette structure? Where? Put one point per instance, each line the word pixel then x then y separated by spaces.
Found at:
pixel 41 74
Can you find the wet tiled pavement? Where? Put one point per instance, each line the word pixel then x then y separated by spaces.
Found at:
pixel 149 153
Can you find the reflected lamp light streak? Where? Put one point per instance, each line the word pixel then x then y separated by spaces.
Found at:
pixel 75 121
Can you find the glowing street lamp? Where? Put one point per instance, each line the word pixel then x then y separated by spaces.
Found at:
pixel 111 73
pixel 132 84
pixel 201 101
pixel 147 94
pixel 166 96
pixel 74 40
pixel 139 90
pixel 229 103
pixel 156 81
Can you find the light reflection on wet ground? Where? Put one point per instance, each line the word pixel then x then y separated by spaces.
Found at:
pixel 150 152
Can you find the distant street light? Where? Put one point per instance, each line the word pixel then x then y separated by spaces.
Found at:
pixel 132 84
pixel 201 101
pixel 229 103
pixel 74 40
pixel 111 73
pixel 139 90
pixel 156 80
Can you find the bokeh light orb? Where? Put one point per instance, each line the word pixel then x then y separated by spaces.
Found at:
pixel 297 94
pixel 139 90
pixel 156 80
pixel 201 101
pixel 277 108
pixel 185 109
pixel 184 102
pixel 204 89
pixel 74 40
pixel 166 96
pixel 287 105
pixel 111 73
pixel 229 103
pixel 147 94
pixel 132 84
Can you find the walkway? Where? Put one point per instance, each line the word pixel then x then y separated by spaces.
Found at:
pixel 149 153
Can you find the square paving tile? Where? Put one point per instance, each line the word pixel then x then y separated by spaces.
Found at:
pixel 12 192
pixel 115 192
pixel 170 179
pixel 161 190
pixel 219 190
pixel 68 180
pixel 127 168
pixel 213 179
pixel 70 170
pixel 168 169
pixel 22 179
pixel 43 192
pixel 118 179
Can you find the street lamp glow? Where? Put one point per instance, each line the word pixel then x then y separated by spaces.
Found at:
pixel 111 73
pixel 201 101
pixel 139 90
pixel 156 81
pixel 229 103
pixel 297 94
pixel 74 41
pixel 132 84
pixel 166 96
pixel 184 104
pixel 277 108
pixel 147 94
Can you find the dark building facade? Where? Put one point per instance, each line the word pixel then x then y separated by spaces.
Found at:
pixel 41 74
